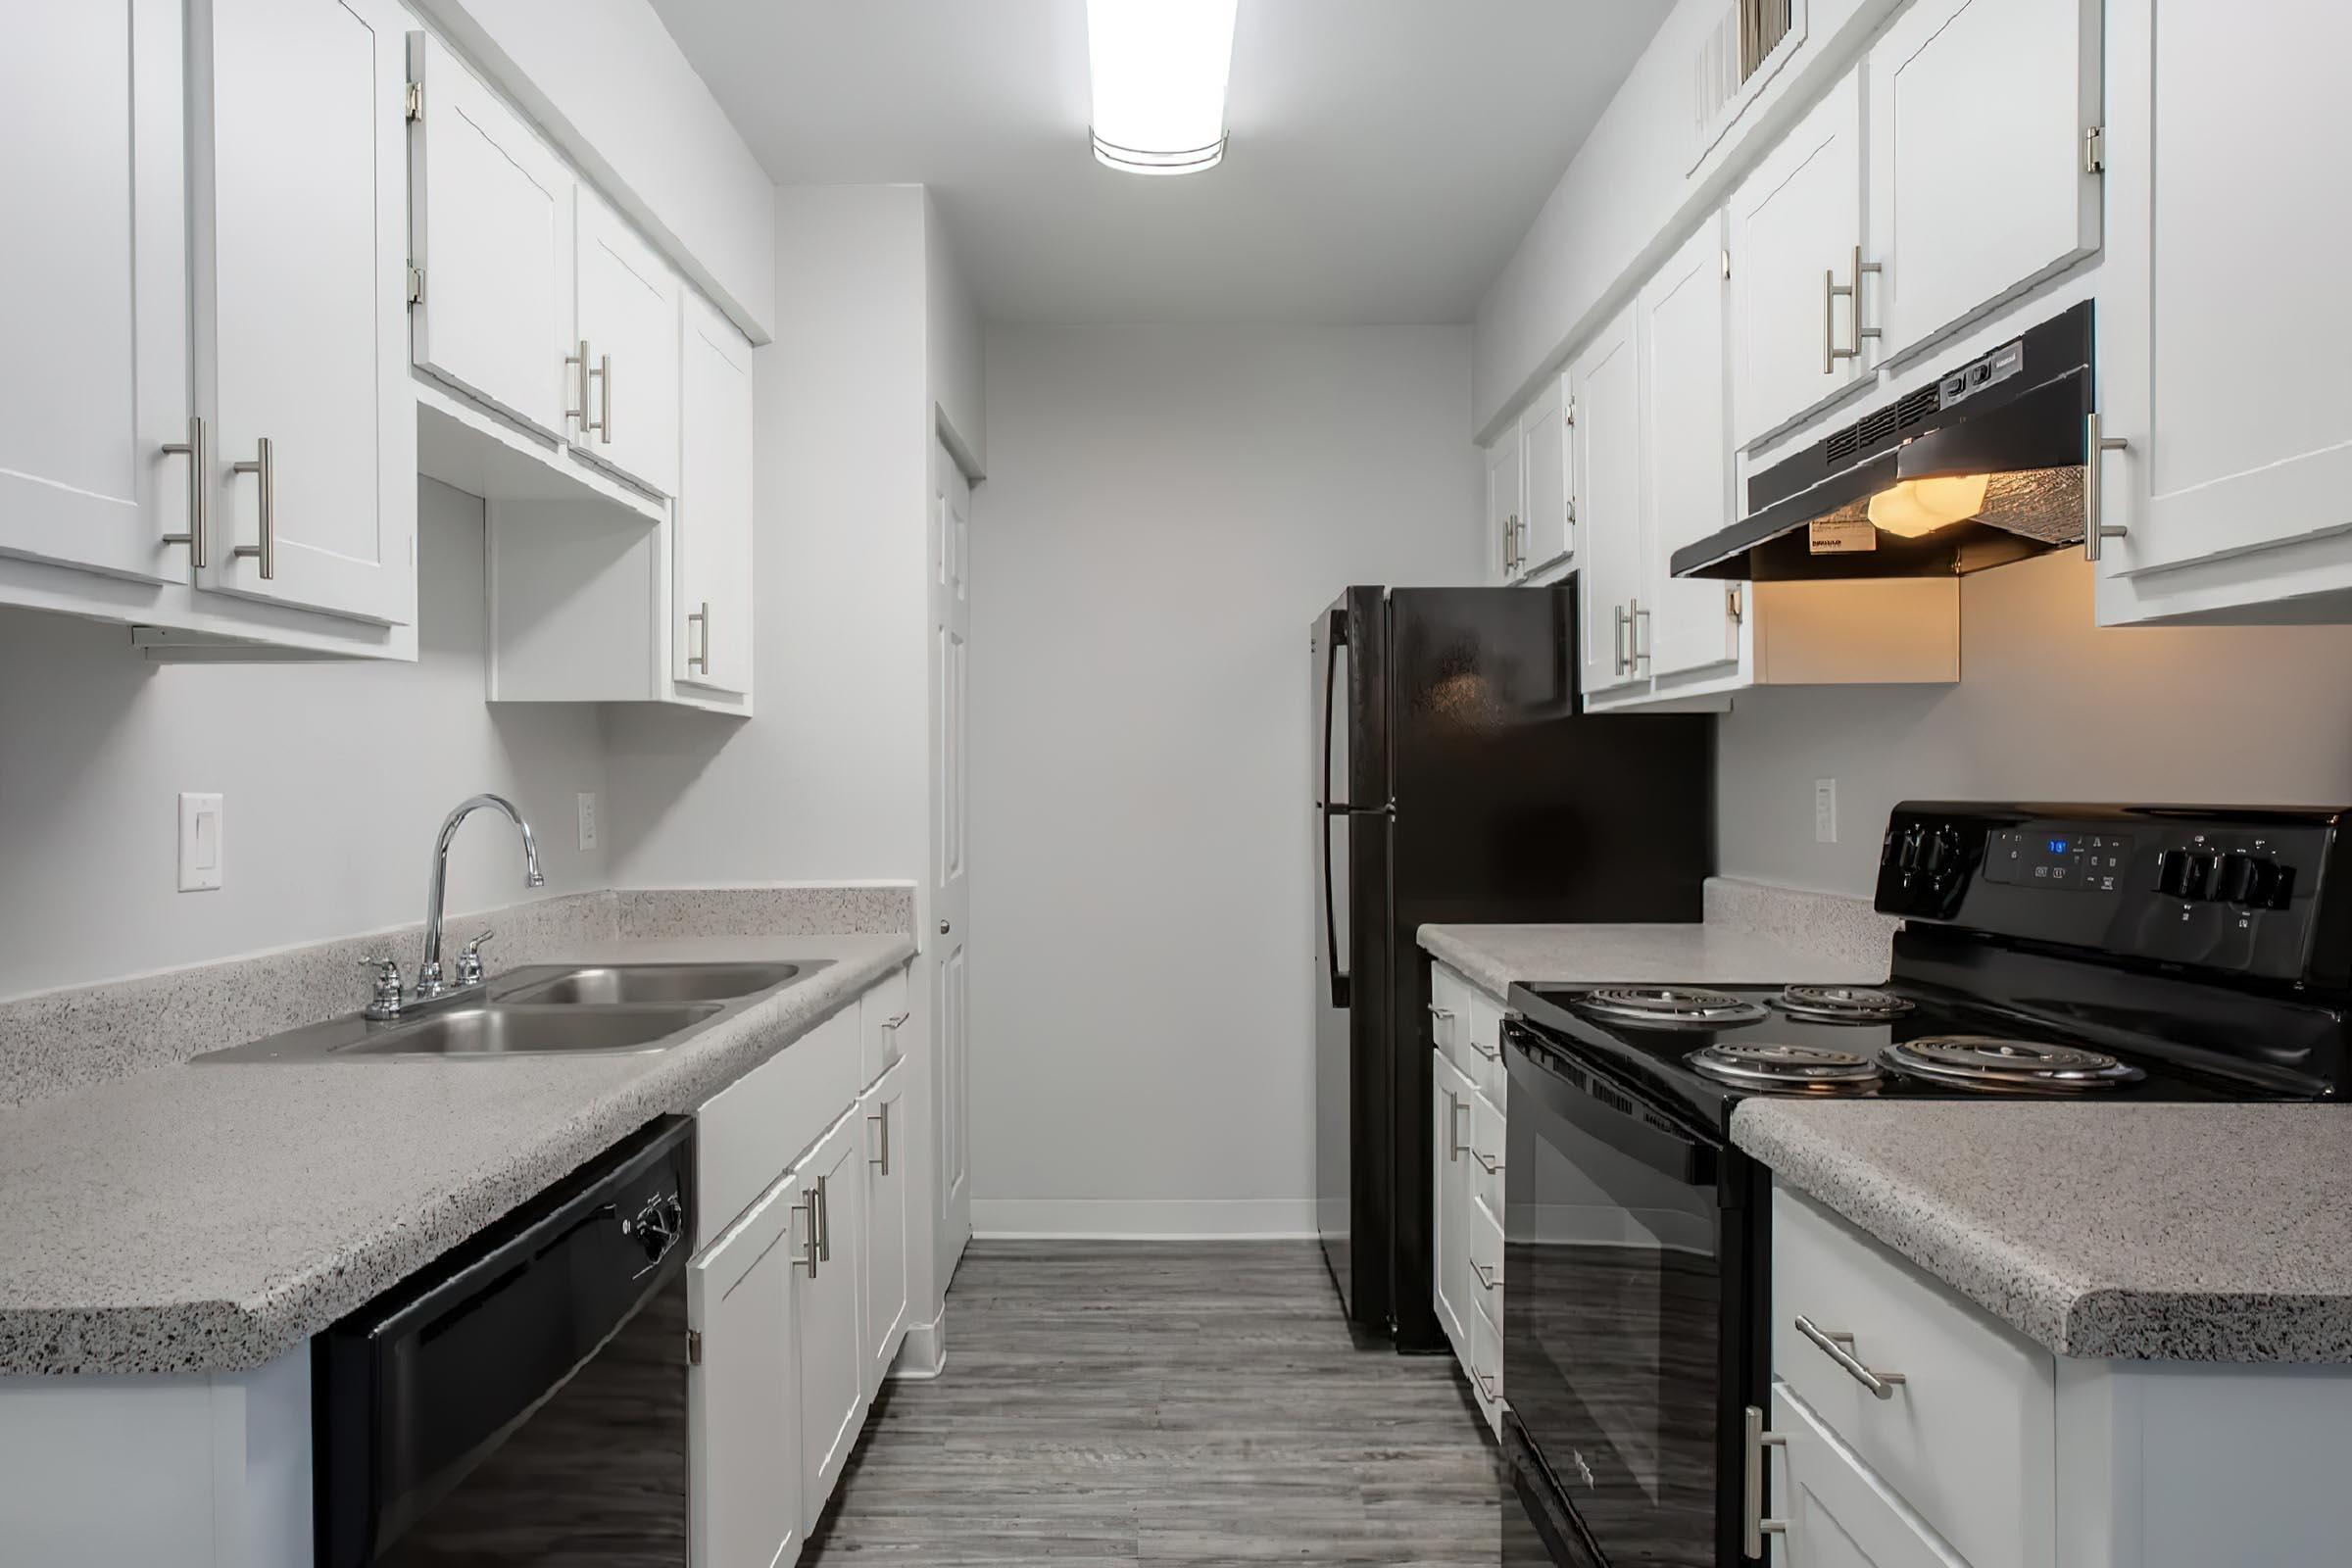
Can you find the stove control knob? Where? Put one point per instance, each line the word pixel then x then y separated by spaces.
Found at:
pixel 2184 874
pixel 2243 879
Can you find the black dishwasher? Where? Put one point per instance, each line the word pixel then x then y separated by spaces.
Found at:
pixel 523 1400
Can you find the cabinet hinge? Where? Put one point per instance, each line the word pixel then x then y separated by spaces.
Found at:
pixel 1733 603
pixel 1571 411
pixel 415 285
pixel 694 1346
pixel 2094 150
pixel 413 100
pixel 1727 263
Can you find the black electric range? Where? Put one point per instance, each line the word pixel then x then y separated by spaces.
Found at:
pixel 2098 954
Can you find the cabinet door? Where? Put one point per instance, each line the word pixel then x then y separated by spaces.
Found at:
pixel 1450 1156
pixel 1795 226
pixel 2221 289
pixel 711 620
pixel 1545 532
pixel 91 174
pixel 825 1315
pixel 1606 383
pixel 1978 188
pixel 1834 1513
pixel 1686 469
pixel 888 1135
pixel 301 305
pixel 628 316
pixel 742 1402
pixel 1503 503
pixel 490 226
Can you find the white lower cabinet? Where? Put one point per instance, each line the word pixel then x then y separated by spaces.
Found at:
pixel 1450 1226
pixel 1466 1172
pixel 740 1390
pixel 889 1135
pixel 1833 1512
pixel 824 1313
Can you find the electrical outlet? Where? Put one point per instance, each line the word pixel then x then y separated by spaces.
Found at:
pixel 202 863
pixel 1825 811
pixel 586 800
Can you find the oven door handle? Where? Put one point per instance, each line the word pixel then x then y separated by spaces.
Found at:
pixel 1599 1111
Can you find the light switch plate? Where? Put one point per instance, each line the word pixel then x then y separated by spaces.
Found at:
pixel 202 861
pixel 586 800
pixel 1825 811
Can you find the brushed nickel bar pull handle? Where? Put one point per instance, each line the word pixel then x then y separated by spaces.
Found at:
pixel 1438 1015
pixel 603 374
pixel 1828 319
pixel 1617 660
pixel 825 1229
pixel 2095 531
pixel 1755 1525
pixel 263 467
pixel 807 1258
pixel 1454 1122
pixel 199 476
pixel 883 1121
pixel 1855 294
pixel 1838 1347
pixel 893 1023
pixel 578 362
pixel 1487 1278
pixel 701 618
pixel 1639 620
pixel 1486 1162
pixel 1832 292
pixel 1490 1052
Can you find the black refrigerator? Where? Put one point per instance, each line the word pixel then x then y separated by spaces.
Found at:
pixel 1458 782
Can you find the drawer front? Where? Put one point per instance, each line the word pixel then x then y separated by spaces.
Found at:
pixel 1483 1045
pixel 1485 1152
pixel 752 1130
pixel 1485 1370
pixel 1482 1262
pixel 883 1018
pixel 1968 1436
pixel 1834 1511
pixel 1451 1003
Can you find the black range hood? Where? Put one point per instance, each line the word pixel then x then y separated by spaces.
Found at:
pixel 2016 415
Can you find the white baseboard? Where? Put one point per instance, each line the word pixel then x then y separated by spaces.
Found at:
pixel 1144 1219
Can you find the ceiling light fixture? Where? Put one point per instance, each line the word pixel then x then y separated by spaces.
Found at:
pixel 1912 508
pixel 1160 70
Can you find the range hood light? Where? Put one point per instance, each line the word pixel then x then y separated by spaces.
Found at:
pixel 1159 69
pixel 1913 508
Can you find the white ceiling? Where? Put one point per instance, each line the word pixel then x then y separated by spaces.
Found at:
pixel 1386 155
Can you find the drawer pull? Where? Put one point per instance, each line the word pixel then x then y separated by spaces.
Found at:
pixel 1490 1052
pixel 1486 1162
pixel 1838 1347
pixel 1487 1278
pixel 1454 1107
pixel 1486 1386
pixel 1755 1525
pixel 1441 1015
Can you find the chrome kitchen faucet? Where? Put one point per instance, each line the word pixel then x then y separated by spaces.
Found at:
pixel 388 1001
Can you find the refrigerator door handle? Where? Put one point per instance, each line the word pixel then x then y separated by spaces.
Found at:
pixel 1335 638
pixel 1332 959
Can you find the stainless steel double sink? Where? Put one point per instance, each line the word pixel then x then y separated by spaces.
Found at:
pixel 546 1010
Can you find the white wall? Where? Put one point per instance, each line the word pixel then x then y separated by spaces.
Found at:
pixel 611 87
pixel 829 781
pixel 2049 708
pixel 336 777
pixel 954 341
pixel 1167 511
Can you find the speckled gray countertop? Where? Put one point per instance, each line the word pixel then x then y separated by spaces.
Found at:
pixel 2140 1232
pixel 213 1217
pixel 1753 934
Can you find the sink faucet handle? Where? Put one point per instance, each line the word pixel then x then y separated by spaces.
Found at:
pixel 388 996
pixel 469 961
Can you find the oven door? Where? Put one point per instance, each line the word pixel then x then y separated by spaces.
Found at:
pixel 1628 1348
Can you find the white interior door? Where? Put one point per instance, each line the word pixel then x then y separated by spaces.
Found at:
pixel 1796 225
pixel 301 299
pixel 824 1314
pixel 91 176
pixel 1978 186
pixel 1503 503
pixel 711 620
pixel 888 1147
pixel 2223 310
pixel 950 875
pixel 1687 460
pixel 628 314
pixel 1606 381
pixel 490 221
pixel 1545 537
pixel 742 1398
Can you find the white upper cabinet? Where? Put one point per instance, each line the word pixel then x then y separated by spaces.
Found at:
pixel 1605 381
pixel 627 388
pixel 91 175
pixel 1687 491
pixel 1979 179
pixel 1800 319
pixel 1503 503
pixel 302 336
pixel 491 230
pixel 1546 512
pixel 2223 312
pixel 711 617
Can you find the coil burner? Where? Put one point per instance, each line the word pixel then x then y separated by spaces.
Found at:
pixel 1774 1067
pixel 1996 1066
pixel 1676 1007
pixel 1840 1004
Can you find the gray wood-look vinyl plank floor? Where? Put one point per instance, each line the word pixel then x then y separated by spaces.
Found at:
pixel 1132 1403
